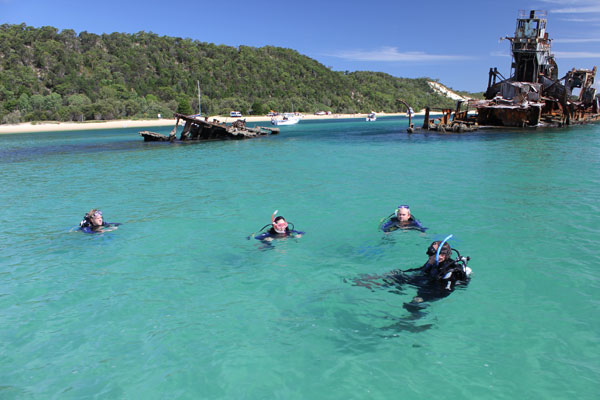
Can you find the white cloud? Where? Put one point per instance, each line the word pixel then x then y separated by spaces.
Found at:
pixel 577 10
pixel 392 54
pixel 580 19
pixel 574 6
pixel 575 54
pixel 571 2
pixel 580 40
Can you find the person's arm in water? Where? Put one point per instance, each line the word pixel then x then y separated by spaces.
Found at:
pixel 295 233
pixel 391 225
pixel 108 226
pixel 421 268
pixel 417 224
pixel 264 237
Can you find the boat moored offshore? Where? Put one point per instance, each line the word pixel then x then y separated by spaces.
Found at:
pixel 287 119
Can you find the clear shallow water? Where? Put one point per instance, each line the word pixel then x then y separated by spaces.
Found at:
pixel 176 303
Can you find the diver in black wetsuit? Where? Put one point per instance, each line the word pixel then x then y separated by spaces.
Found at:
pixel 93 222
pixel 437 278
pixel 402 219
pixel 279 229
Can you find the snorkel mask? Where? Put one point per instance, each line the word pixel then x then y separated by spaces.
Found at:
pixel 437 253
pixel 279 226
pixel 98 213
pixel 401 207
pixel 91 215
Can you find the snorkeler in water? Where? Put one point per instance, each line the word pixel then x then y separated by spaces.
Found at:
pixel 401 219
pixel 439 276
pixel 279 229
pixel 93 222
pixel 436 279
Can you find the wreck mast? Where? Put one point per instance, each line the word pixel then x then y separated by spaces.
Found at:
pixel 199 103
pixel 531 48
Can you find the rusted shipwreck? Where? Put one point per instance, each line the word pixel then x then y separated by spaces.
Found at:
pixel 201 129
pixel 458 122
pixel 534 95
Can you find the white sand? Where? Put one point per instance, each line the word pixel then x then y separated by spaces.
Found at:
pixel 80 126
pixel 444 91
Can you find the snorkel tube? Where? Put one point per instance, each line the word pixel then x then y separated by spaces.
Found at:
pixel 461 260
pixel 437 253
pixel 253 234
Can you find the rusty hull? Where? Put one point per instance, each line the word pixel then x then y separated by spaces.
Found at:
pixel 201 129
pixel 533 95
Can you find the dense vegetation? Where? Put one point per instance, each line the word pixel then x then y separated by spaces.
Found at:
pixel 50 75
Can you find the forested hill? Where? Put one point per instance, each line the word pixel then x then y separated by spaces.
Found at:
pixel 47 74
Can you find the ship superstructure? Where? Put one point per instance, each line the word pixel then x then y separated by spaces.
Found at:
pixel 534 95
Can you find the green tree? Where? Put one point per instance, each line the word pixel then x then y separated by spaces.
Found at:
pixel 184 107
pixel 259 108
pixel 136 75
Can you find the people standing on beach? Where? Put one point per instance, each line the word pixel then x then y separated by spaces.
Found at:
pixel 402 219
pixel 93 222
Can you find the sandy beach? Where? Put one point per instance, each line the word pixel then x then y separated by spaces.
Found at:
pixel 79 126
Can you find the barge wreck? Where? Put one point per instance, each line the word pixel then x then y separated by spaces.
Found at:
pixel 534 95
pixel 201 129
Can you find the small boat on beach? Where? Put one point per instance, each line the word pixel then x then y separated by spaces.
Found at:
pixel 371 117
pixel 287 119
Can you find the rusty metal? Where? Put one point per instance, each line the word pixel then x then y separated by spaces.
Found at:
pixel 201 129
pixel 534 95
pixel 409 112
pixel 457 121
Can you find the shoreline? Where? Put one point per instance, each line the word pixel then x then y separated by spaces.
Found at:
pixel 28 127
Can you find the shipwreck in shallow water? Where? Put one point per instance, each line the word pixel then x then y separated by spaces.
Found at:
pixel 534 95
pixel 201 129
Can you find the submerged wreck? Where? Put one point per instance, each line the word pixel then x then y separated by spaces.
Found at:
pixel 201 129
pixel 534 95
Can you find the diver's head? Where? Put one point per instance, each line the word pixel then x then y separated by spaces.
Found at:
pixel 280 225
pixel 95 217
pixel 403 213
pixel 445 253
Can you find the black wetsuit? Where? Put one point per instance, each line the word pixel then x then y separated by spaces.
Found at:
pixel 443 278
pixel 271 233
pixel 394 224
pixel 87 226
pixel 432 281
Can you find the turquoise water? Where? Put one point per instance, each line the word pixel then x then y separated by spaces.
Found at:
pixel 177 303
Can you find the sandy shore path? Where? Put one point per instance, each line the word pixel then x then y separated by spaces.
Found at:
pixel 80 126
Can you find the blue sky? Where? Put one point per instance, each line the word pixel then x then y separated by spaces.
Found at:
pixel 454 41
